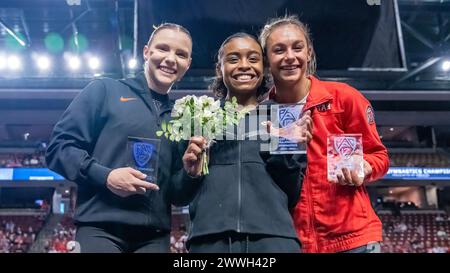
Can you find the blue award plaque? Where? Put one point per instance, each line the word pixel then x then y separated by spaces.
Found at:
pixel 285 117
pixel 143 155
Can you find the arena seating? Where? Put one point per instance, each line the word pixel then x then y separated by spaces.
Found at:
pixel 62 234
pixel 419 160
pixel 17 233
pixel 65 232
pixel 20 160
pixel 179 233
pixel 415 232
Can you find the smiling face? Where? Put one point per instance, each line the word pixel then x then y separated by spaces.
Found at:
pixel 288 54
pixel 168 57
pixel 241 66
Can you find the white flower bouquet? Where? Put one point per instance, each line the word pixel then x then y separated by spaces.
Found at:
pixel 200 116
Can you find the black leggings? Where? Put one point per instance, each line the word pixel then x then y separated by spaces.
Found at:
pixel 114 238
pixel 233 242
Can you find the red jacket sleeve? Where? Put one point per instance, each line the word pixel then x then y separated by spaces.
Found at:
pixel 359 117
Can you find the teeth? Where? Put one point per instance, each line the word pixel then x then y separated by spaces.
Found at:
pixel 291 67
pixel 244 77
pixel 167 70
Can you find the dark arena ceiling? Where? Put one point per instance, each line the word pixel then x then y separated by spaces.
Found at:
pixel 396 53
pixel 399 44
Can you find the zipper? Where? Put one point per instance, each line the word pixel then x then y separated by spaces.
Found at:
pixel 151 196
pixel 239 188
pixel 158 117
pixel 312 219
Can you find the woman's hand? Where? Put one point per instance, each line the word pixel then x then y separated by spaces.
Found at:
pixel 192 158
pixel 299 131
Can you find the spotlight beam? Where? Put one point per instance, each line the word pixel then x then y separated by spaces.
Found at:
pixel 25 27
pixel 414 72
pixel 116 25
pixel 74 20
pixel 75 32
pixel 135 28
pixel 12 33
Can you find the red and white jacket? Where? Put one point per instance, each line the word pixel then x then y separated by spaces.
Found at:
pixel 330 217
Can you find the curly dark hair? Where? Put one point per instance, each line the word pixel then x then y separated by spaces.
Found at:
pixel 218 86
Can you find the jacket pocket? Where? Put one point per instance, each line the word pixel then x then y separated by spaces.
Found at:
pixel 339 209
pixel 360 197
pixel 331 119
pixel 351 200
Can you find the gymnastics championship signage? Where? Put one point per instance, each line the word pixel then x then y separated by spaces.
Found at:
pixel 411 173
pixel 25 174
pixel 394 173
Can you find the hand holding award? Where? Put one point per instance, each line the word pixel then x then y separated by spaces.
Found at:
pixel 345 162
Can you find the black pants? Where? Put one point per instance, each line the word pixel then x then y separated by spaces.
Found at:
pixel 115 238
pixel 233 242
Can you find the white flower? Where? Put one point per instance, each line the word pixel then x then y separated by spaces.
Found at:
pixel 208 114
pixel 203 116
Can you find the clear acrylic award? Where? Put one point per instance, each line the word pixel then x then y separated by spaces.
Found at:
pixel 284 117
pixel 143 155
pixel 344 151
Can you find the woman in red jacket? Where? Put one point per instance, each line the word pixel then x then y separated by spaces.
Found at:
pixel 330 217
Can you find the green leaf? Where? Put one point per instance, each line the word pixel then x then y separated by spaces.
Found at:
pixel 166 135
pixel 169 127
pixel 164 126
pixel 159 133
pixel 172 138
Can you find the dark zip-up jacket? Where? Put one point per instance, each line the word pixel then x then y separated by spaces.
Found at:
pixel 90 140
pixel 246 191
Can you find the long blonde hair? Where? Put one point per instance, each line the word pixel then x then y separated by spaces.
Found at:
pixel 274 23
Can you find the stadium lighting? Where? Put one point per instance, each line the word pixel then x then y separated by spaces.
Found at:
pixel 14 62
pixel 3 62
pixel 43 62
pixel 94 63
pixel 446 65
pixel 74 62
pixel 132 63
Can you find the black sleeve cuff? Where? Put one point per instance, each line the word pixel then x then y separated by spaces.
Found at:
pixel 186 178
pixel 98 174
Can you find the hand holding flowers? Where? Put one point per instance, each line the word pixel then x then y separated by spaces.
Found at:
pixel 200 117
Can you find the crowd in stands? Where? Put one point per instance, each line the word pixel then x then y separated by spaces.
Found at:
pixel 409 232
pixel 178 240
pixel 416 232
pixel 437 160
pixel 179 234
pixel 35 160
pixel 432 160
pixel 63 233
pixel 17 233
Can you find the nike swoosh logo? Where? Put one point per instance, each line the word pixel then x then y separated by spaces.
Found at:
pixel 122 99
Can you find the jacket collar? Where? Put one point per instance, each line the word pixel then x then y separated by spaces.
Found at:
pixel 138 84
pixel 318 94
